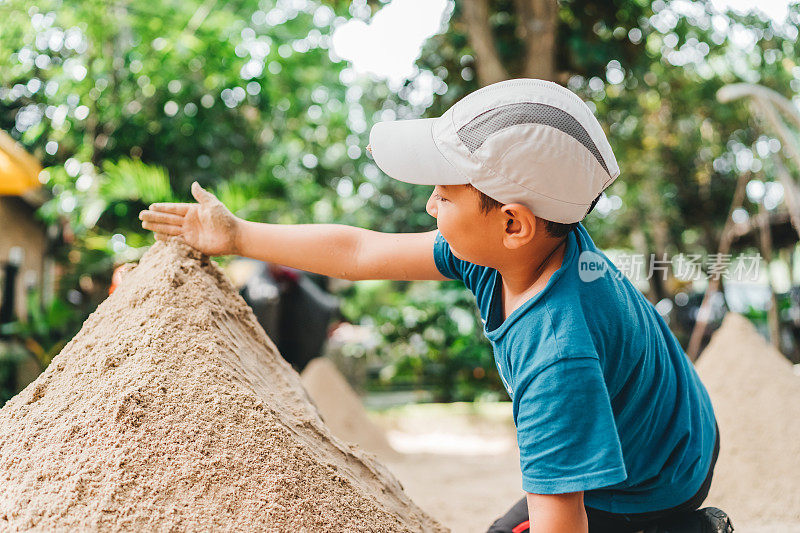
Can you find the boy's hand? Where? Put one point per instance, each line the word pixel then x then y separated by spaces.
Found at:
pixel 208 226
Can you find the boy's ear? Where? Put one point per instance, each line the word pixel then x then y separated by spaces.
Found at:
pixel 520 225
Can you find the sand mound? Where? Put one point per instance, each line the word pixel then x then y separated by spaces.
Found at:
pixel 171 410
pixel 756 398
pixel 341 408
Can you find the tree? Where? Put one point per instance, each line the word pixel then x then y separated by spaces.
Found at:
pixel 534 37
pixel 128 103
pixel 650 69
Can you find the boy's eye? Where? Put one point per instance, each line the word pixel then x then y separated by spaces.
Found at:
pixel 439 197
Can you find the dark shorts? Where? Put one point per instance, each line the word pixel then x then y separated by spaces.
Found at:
pixel 516 519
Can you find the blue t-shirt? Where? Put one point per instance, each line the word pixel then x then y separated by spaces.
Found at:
pixel 604 398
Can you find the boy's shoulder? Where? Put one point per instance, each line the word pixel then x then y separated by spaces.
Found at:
pixel 556 323
pixel 562 319
pixel 556 328
pixel 586 301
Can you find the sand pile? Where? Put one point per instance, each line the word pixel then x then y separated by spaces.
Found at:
pixel 341 408
pixel 171 410
pixel 756 399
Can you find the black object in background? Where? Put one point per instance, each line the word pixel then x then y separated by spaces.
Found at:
pixel 305 313
pixel 293 310
pixel 262 293
pixel 7 305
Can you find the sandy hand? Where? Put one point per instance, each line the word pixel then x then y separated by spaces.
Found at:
pixel 207 226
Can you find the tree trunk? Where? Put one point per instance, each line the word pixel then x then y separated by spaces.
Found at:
pixel 765 243
pixel 487 63
pixel 536 26
pixel 725 241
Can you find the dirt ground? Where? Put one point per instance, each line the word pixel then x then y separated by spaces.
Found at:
pixel 465 493
pixel 460 465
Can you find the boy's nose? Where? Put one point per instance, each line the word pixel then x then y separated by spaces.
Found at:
pixel 430 207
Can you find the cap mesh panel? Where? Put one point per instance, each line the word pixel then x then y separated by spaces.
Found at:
pixel 474 133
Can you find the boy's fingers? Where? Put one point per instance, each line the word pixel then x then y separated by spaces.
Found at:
pixel 200 194
pixel 162 218
pixel 174 208
pixel 167 229
pixel 164 237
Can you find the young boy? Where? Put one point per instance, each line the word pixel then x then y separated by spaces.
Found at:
pixel 615 430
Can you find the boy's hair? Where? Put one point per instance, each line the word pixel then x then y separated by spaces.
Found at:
pixel 554 229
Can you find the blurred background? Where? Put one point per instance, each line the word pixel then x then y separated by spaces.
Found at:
pixel 108 106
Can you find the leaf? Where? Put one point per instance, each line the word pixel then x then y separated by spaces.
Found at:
pixel 131 179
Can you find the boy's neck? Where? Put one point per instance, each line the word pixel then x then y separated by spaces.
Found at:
pixel 520 280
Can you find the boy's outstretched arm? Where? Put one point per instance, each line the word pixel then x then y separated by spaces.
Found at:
pixel 334 250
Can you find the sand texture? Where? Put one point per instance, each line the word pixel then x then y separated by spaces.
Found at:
pixel 341 408
pixel 756 398
pixel 172 410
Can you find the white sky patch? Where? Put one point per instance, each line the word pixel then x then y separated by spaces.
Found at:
pixel 775 9
pixel 391 42
pixel 388 45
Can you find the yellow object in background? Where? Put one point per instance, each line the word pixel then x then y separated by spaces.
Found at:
pixel 19 170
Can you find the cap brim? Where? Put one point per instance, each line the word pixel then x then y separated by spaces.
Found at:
pixel 405 150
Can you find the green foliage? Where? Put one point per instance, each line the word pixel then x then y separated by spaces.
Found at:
pixel 11 356
pixel 430 337
pixel 132 180
pixel 46 330
pixel 128 103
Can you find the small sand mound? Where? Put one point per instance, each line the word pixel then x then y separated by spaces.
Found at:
pixel 341 408
pixel 756 399
pixel 171 410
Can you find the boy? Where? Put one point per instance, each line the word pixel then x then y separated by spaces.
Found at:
pixel 615 430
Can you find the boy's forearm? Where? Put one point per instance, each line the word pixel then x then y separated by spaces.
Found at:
pixel 328 249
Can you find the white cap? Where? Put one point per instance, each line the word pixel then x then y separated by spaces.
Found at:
pixel 528 141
